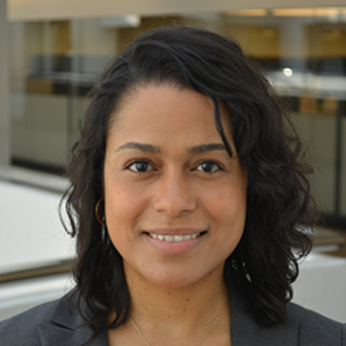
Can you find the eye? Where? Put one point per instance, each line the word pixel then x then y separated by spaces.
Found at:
pixel 140 167
pixel 208 167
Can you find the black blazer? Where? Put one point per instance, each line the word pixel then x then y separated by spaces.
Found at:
pixel 56 324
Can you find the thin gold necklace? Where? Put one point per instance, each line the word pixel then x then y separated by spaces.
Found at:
pixel 203 338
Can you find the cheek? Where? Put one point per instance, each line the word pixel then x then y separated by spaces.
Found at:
pixel 120 212
pixel 227 205
pixel 229 214
pixel 124 203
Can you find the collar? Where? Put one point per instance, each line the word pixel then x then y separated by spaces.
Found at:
pixel 65 326
pixel 245 331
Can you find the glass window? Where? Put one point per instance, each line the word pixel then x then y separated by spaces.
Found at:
pixel 301 51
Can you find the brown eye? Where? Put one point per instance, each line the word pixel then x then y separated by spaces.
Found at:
pixel 140 167
pixel 208 167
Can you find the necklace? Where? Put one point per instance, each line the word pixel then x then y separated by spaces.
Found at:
pixel 203 338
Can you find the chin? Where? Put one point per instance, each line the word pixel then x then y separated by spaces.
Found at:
pixel 177 279
pixel 176 283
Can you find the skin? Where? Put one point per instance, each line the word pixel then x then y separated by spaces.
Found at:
pixel 167 173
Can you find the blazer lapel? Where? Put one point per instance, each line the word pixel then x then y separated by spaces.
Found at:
pixel 246 332
pixel 65 327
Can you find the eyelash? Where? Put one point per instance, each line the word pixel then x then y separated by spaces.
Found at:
pixel 137 162
pixel 219 167
pixel 214 163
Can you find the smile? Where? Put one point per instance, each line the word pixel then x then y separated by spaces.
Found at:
pixel 174 238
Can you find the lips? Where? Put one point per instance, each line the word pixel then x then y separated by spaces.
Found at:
pixel 173 242
pixel 174 237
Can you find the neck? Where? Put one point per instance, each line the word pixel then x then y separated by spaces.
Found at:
pixel 184 311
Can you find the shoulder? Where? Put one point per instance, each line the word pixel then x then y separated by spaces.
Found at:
pixel 52 324
pixel 22 329
pixel 33 327
pixel 315 329
pixel 303 327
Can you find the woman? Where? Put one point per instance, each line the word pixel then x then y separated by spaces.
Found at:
pixel 186 193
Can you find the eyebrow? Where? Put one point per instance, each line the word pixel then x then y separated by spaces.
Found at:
pixel 145 148
pixel 204 148
pixel 153 149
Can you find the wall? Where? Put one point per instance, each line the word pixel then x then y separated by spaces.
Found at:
pixel 4 114
pixel 43 9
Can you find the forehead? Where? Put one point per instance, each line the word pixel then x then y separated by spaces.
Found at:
pixel 152 111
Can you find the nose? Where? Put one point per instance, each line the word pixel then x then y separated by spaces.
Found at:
pixel 174 195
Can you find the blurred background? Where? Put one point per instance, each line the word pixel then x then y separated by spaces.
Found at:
pixel 51 54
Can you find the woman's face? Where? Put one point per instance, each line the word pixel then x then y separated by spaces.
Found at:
pixel 175 201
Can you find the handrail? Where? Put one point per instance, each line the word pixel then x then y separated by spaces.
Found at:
pixel 63 266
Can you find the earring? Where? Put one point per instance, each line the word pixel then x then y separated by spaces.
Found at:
pixel 100 219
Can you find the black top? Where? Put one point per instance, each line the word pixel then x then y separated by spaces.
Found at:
pixel 59 324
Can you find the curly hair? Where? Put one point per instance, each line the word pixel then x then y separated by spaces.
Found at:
pixel 265 262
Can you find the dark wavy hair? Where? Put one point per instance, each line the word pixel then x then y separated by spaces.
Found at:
pixel 264 264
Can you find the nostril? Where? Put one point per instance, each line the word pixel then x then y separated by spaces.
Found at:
pixel 173 195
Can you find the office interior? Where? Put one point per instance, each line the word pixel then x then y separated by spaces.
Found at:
pixel 55 54
pixel 53 64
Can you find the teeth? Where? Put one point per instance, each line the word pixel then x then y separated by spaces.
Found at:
pixel 169 238
pixel 178 238
pixel 174 238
